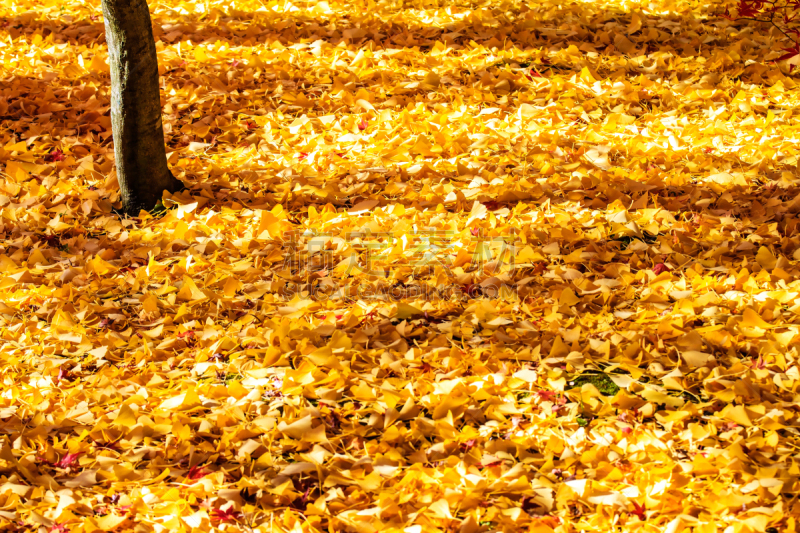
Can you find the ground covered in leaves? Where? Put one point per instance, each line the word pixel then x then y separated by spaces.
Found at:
pixel 467 266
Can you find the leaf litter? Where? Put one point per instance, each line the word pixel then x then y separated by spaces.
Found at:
pixel 266 351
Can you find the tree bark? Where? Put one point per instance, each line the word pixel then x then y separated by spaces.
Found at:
pixel 139 151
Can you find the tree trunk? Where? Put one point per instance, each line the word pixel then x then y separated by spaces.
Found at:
pixel 141 159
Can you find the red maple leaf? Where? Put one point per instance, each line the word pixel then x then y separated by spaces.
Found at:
pixel 547 395
pixel 55 155
pixel 64 373
pixel 466 446
pixel 68 460
pixel 639 511
pixel 58 528
pixel 226 515
pixel 363 124
pixel 659 268
pixel 790 53
pixel 197 472
pixel 188 336
pixel 749 8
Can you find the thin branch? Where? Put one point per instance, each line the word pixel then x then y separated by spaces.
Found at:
pixel 770 21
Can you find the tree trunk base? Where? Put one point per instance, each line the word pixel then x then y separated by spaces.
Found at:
pixel 141 158
pixel 133 206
